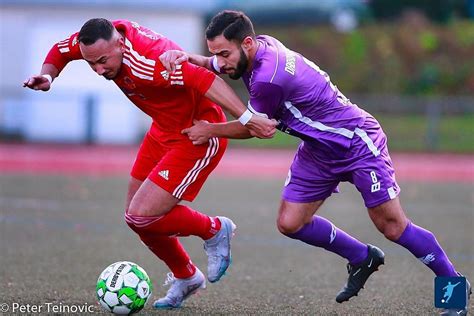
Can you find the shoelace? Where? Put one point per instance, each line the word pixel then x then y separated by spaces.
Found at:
pixel 170 279
pixel 173 291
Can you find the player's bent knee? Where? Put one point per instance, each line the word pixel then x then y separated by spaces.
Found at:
pixel 287 227
pixel 135 209
pixel 139 224
pixel 130 222
pixel 392 231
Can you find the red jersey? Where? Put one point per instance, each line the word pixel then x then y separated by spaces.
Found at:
pixel 173 100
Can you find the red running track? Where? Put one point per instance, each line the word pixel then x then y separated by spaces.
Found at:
pixel 117 160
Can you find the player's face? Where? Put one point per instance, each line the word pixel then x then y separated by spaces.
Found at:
pixel 231 57
pixel 104 57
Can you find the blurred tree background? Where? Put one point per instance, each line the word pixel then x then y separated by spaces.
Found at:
pixel 410 63
pixel 409 55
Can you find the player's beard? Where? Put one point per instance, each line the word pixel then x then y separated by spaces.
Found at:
pixel 241 67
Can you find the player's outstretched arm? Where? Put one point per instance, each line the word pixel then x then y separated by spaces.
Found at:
pixel 43 80
pixel 222 94
pixel 202 131
pixel 171 58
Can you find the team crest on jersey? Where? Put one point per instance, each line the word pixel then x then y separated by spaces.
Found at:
pixel 129 83
pixel 74 41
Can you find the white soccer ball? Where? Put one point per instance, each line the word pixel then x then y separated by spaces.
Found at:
pixel 123 288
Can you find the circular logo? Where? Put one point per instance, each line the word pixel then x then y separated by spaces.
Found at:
pixel 4 307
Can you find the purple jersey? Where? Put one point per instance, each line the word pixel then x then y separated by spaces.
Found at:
pixel 288 87
pixel 341 141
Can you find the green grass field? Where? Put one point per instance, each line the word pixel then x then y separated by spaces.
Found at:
pixel 59 232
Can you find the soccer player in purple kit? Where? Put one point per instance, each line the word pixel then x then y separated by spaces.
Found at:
pixel 341 142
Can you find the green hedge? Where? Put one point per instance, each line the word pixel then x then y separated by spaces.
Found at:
pixel 412 56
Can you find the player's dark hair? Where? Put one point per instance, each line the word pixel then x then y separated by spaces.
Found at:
pixel 95 29
pixel 233 25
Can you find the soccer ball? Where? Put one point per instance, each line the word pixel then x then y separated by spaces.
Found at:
pixel 123 288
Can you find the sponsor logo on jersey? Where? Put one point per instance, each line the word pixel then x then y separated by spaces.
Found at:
pixel 147 33
pixel 290 64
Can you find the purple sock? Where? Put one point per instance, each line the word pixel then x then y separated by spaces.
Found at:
pixel 423 245
pixel 322 233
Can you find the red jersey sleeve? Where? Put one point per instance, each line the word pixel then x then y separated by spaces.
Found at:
pixel 186 75
pixel 63 52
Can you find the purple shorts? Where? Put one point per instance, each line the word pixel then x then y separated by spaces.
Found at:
pixel 316 170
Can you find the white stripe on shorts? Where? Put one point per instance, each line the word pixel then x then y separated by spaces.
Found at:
pixel 192 175
pixel 362 134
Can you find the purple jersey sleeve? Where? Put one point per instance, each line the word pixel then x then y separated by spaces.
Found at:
pixel 265 99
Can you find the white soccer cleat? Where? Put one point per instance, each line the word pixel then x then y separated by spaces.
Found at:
pixel 218 250
pixel 180 290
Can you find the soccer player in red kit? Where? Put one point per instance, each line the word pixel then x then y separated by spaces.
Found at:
pixel 168 167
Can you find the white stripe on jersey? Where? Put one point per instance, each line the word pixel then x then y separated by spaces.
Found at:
pixel 276 65
pixel 63 46
pixel 340 130
pixel 317 125
pixel 137 56
pixel 192 175
pixel 250 107
pixel 137 65
pixel 135 71
pixel 137 62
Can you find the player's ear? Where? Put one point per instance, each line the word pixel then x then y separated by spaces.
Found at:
pixel 247 43
pixel 121 44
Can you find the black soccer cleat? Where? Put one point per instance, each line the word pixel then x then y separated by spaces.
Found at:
pixel 358 274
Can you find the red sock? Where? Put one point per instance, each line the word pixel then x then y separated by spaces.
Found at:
pixel 184 221
pixel 170 250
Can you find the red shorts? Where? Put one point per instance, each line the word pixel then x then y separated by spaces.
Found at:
pixel 181 169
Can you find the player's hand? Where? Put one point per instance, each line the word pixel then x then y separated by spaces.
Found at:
pixel 171 58
pixel 199 133
pixel 38 82
pixel 261 127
